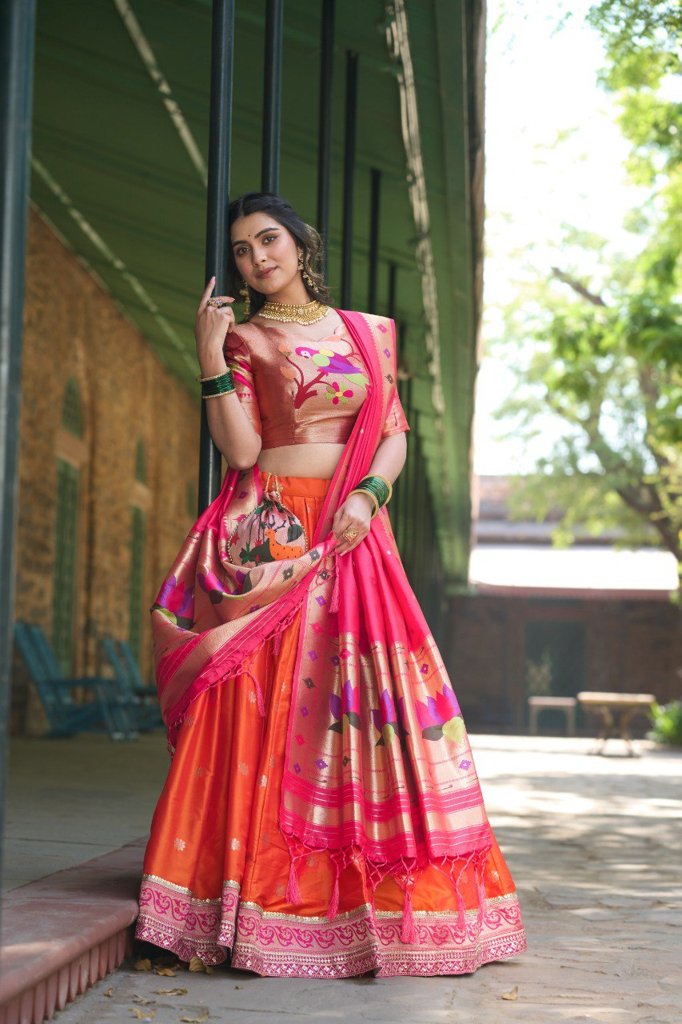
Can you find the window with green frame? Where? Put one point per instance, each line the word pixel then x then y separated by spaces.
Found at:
pixel 64 598
pixel 136 593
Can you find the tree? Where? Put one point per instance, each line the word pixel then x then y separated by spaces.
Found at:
pixel 606 360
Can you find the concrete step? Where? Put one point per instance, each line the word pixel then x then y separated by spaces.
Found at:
pixel 66 931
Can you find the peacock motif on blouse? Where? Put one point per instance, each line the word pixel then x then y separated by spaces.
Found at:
pixel 331 364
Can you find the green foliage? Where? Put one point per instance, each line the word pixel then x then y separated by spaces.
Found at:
pixel 643 45
pixel 667 723
pixel 597 345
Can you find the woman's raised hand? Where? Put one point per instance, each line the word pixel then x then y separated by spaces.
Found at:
pixel 211 325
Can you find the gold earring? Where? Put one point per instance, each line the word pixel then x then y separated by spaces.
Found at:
pixel 244 292
pixel 304 267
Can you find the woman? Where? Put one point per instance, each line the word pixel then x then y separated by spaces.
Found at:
pixel 322 816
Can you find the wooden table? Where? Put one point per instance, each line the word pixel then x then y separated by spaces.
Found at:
pixel 563 704
pixel 610 706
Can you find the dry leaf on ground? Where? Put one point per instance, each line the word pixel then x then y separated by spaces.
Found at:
pixel 196 1020
pixel 141 1000
pixel 142 1014
pixel 143 965
pixel 170 991
pixel 513 994
pixel 109 993
pixel 165 972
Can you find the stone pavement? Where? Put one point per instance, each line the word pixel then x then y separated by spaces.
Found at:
pixel 593 845
pixel 69 800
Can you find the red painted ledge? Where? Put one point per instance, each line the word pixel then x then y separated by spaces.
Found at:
pixel 66 931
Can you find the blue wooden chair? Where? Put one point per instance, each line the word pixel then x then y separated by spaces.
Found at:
pixel 141 700
pixel 106 712
pixel 141 688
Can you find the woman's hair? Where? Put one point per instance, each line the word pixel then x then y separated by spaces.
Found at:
pixel 305 235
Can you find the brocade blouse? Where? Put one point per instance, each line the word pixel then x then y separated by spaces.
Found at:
pixel 302 391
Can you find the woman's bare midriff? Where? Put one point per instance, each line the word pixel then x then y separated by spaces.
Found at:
pixel 302 459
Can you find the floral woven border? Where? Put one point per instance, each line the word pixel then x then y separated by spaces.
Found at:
pixel 293 946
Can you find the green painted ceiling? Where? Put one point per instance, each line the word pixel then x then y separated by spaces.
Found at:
pixel 120 174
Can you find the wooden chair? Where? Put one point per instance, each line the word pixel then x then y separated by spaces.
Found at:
pixel 141 688
pixel 65 716
pixel 564 704
pixel 141 700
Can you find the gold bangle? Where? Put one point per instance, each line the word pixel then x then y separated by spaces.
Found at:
pixel 361 490
pixel 215 376
pixel 388 484
pixel 220 394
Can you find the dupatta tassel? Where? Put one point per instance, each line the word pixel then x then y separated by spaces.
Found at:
pixel 480 884
pixel 339 860
pixel 259 694
pixel 334 603
pixel 408 932
pixel 293 893
pixel 461 905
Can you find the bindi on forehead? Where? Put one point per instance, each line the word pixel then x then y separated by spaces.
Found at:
pixel 263 231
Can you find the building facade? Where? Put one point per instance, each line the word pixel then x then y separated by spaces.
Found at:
pixel 107 465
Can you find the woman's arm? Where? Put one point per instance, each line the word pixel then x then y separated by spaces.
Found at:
pixel 231 429
pixel 356 510
pixel 389 458
pixel 228 422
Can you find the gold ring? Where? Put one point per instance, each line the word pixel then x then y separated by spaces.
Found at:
pixel 350 533
pixel 217 303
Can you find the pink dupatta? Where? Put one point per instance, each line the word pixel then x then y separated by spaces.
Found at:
pixel 378 769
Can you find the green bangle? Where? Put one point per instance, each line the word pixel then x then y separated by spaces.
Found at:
pixel 376 486
pixel 219 385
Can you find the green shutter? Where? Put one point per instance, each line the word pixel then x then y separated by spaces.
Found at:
pixel 136 579
pixel 65 563
pixel 72 418
pixel 140 463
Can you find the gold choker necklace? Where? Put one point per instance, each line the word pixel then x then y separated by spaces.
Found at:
pixel 291 312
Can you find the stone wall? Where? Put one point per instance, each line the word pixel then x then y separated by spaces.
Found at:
pixel 73 329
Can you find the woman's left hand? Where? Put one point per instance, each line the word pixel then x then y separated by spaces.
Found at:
pixel 356 512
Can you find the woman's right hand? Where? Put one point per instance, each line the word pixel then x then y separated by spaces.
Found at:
pixel 210 327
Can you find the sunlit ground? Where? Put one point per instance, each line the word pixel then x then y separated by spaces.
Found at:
pixel 592 843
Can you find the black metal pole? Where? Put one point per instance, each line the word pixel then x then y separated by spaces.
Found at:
pixel 348 173
pixel 392 289
pixel 17 35
pixel 408 473
pixel 272 95
pixel 324 150
pixel 373 277
pixel 217 206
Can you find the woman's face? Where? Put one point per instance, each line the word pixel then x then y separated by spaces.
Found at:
pixel 261 245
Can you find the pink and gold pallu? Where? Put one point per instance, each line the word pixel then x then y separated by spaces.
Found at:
pixel 322 815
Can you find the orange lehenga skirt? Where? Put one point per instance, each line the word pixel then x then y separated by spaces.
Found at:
pixel 216 865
